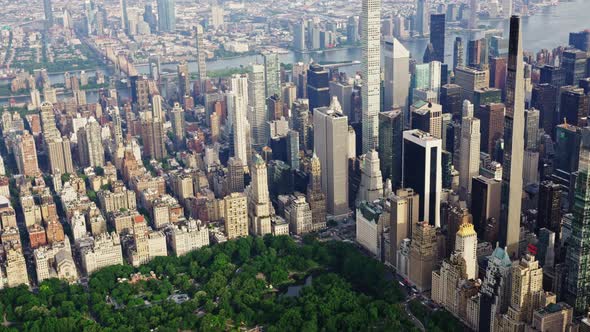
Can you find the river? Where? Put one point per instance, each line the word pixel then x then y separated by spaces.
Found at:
pixel 548 28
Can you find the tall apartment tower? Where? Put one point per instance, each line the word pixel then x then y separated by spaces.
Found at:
pixel 315 195
pixel 371 187
pixel 421 18
pixel 423 255
pixel 578 251
pixel 26 155
pixel 330 140
pixel 371 68
pixel 272 73
pixel 235 215
pixel 90 148
pixel 201 56
pixel 257 115
pixel 318 86
pixel 260 206
pixel 235 168
pixel 396 75
pixel 48 9
pixel 177 120
pixel 422 172
pixel 470 148
pixel 166 16
pixel 526 291
pixel 124 16
pixel 458 53
pixel 513 143
pixel 237 102
pixel 466 246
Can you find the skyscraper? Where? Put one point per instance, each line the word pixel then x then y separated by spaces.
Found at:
pixel 544 98
pixel 201 56
pixel 236 215
pixel 391 126
pixel 259 200
pixel 315 195
pixel 90 148
pixel 458 49
pixel 573 106
pixel 124 16
pixel 330 140
pixel 371 187
pixel 513 143
pixel 299 36
pixel 257 115
pixel 237 102
pixel 396 75
pixel 48 9
pixel 371 68
pixel 578 250
pixel 26 155
pixel 421 19
pixel 573 63
pixel 272 73
pixel 466 246
pixel 470 148
pixel 422 172
pixel 437 36
pixel 531 129
pixel 153 135
pixel 166 15
pixel 318 86
pixel 178 124
pixel 549 207
pixel 352 30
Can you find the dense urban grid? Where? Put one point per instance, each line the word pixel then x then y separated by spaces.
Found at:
pixel 171 165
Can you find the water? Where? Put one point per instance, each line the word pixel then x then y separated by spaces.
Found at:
pixel 293 291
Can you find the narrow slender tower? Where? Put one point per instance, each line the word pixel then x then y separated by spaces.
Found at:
pixel 371 89
pixel 513 143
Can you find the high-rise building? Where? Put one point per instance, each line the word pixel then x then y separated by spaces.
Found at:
pixel 237 102
pixel 567 153
pixel 272 73
pixel 498 72
pixel 485 202
pixel 371 68
pixel 396 75
pixel 427 117
pixel 318 87
pixel 352 30
pixel 421 19
pixel 526 291
pixel 259 201
pixel 26 155
pixel 184 79
pixel 235 178
pixel 423 253
pixel 513 143
pixel 124 16
pixel 422 172
pixel 342 90
pixel 257 115
pixel 90 148
pixel 177 120
pixel 573 106
pixel 299 215
pixel 544 98
pixel 235 206
pixel 371 186
pixel 437 36
pixel 573 63
pixel 391 126
pixel 471 79
pixel 299 36
pixel 330 139
pixel 495 289
pixel 153 135
pixel 48 9
pixel 201 55
pixel 578 251
pixel 315 195
pixel 580 40
pixel 458 53
pixel 451 100
pixel 492 125
pixel 531 129
pixel 470 148
pixel 466 246
pixel 166 16
pixel 549 208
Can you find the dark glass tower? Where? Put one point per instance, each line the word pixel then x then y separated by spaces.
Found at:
pixel 391 126
pixel 544 98
pixel 318 87
pixel 578 251
pixel 437 36
pixel 573 106
pixel 48 8
pixel 458 53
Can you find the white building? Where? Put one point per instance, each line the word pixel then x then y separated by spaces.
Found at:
pixel 371 187
pixel 470 146
pixel 298 215
pixel 191 236
pixel 466 246
pixel 105 251
pixel 396 82
pixel 369 227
